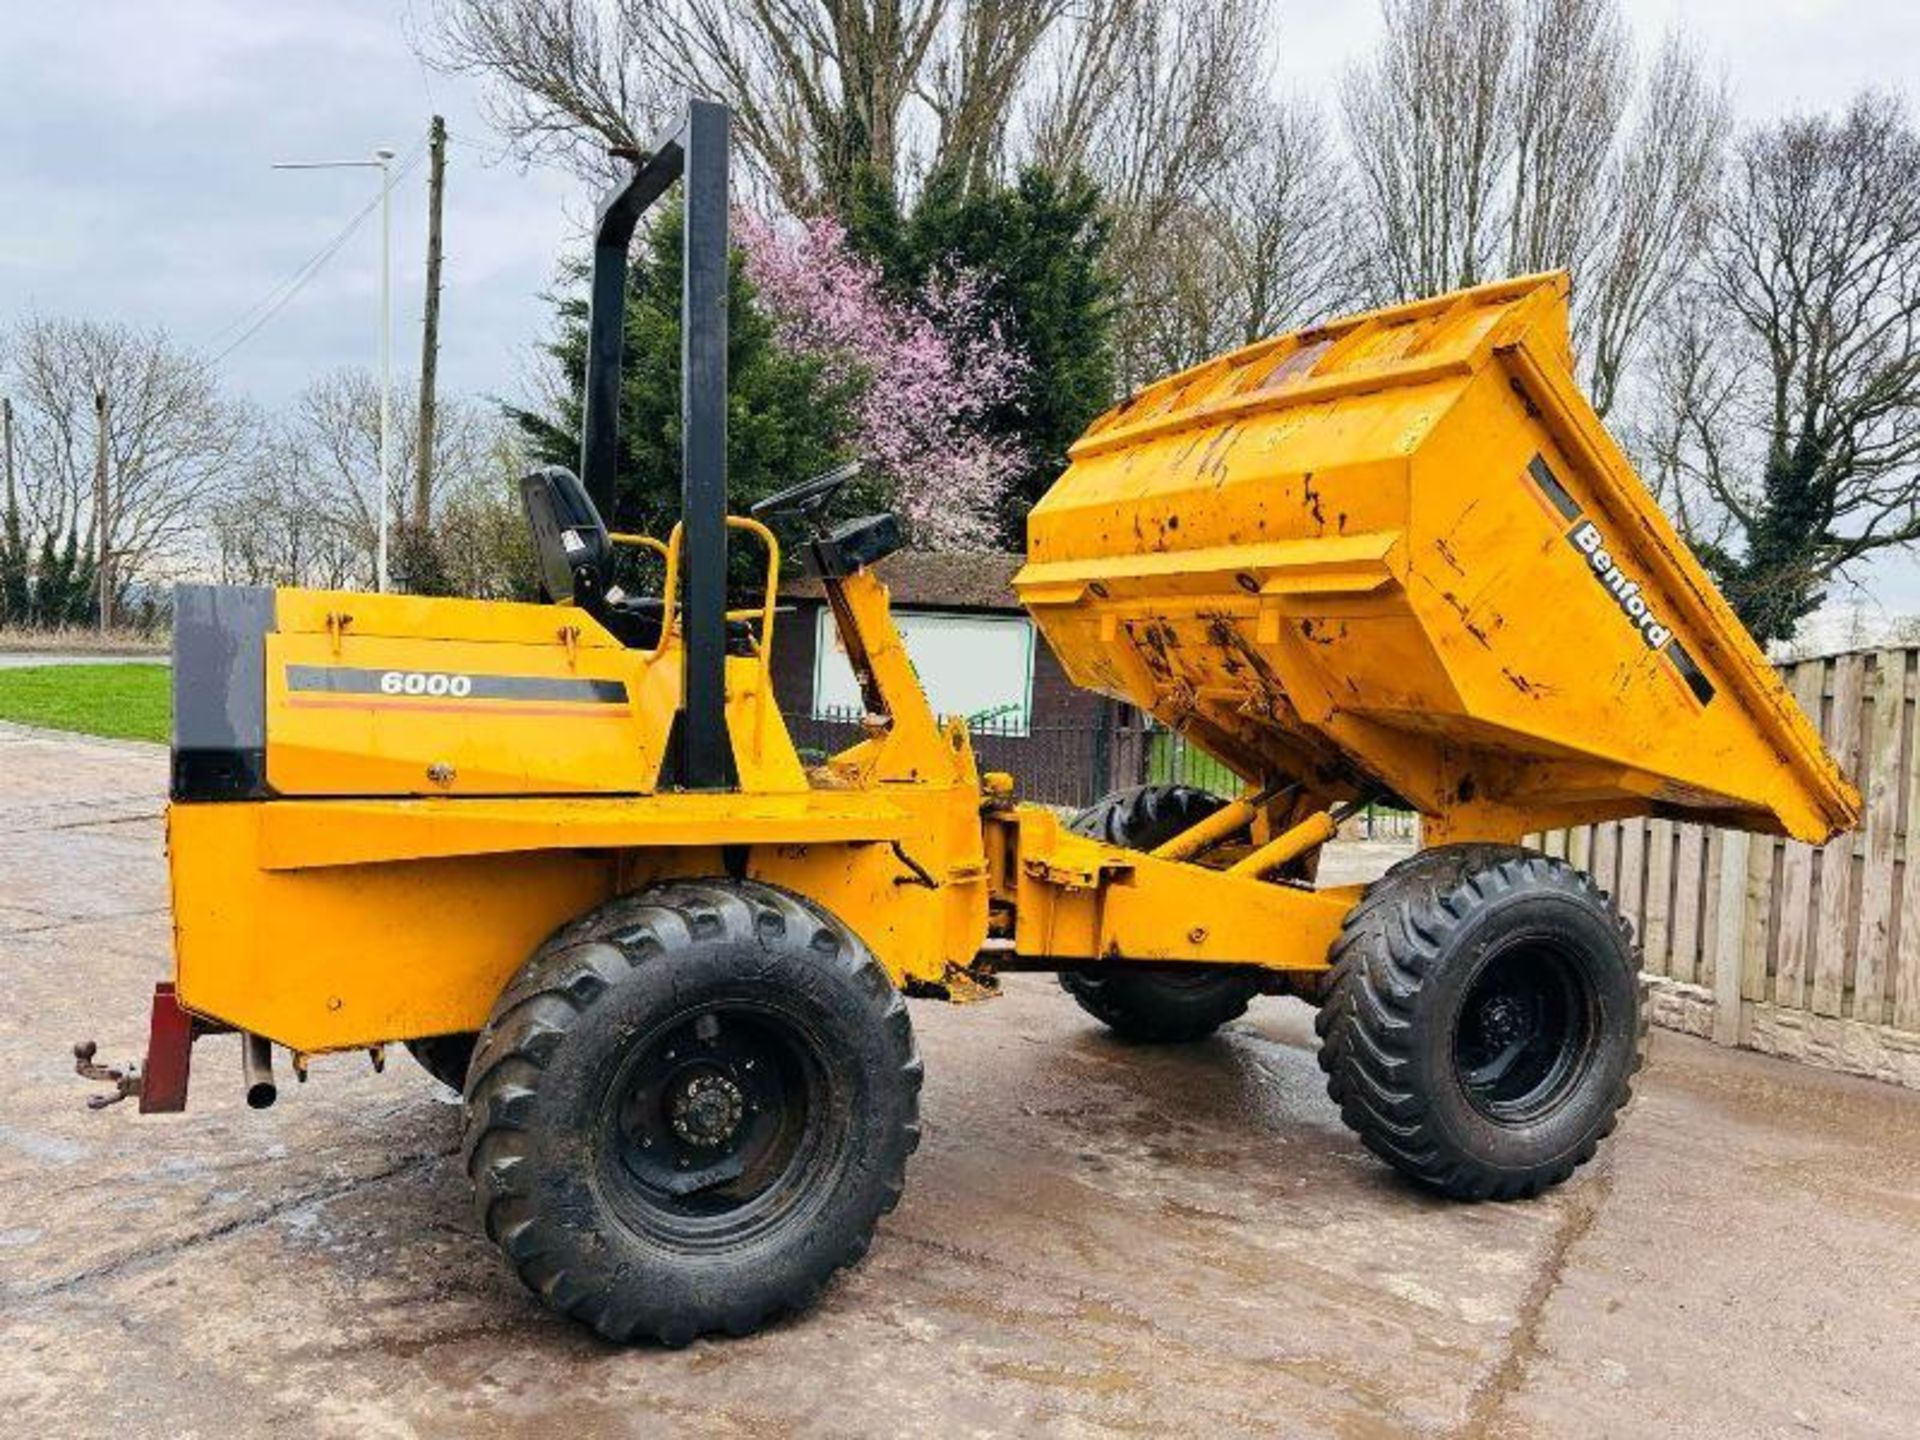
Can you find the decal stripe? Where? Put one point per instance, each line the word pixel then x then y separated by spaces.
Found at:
pixel 1690 671
pixel 419 704
pixel 354 680
pixel 1550 486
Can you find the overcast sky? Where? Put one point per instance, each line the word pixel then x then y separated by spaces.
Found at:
pixel 139 135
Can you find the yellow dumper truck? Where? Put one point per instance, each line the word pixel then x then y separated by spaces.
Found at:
pixel 568 854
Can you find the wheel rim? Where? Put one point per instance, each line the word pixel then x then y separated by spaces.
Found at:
pixel 720 1124
pixel 1525 1032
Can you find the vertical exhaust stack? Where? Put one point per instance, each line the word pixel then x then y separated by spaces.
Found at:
pixel 694 152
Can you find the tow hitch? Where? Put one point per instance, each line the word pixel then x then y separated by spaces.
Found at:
pixel 125 1079
pixel 161 1079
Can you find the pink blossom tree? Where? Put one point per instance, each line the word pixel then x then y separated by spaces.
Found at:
pixel 929 371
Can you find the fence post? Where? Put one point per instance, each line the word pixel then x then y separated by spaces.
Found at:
pixel 1730 918
pixel 1103 748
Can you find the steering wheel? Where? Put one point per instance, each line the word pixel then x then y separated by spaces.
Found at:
pixel 810 497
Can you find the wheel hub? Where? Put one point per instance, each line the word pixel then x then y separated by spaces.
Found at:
pixel 1504 1021
pixel 705 1112
pixel 1525 1033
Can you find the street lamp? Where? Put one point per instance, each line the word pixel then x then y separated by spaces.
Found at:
pixel 383 162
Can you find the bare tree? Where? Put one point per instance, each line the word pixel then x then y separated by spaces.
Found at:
pixel 1171 109
pixel 173 439
pixel 1162 106
pixel 1572 75
pixel 1500 137
pixel 1278 205
pixel 1078 67
pixel 1657 202
pixel 825 94
pixel 304 511
pixel 1800 429
pixel 331 448
pixel 1430 125
pixel 1256 252
pixel 979 71
pixel 278 524
pixel 1684 422
pixel 818 89
pixel 566 79
pixel 481 529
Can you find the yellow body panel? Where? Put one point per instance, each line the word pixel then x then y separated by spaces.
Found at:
pixel 339 956
pixel 384 898
pixel 369 742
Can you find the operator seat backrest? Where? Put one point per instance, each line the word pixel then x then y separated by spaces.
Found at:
pixel 576 555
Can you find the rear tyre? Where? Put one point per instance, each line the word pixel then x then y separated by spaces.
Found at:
pixel 1179 1003
pixel 690 1109
pixel 1484 1023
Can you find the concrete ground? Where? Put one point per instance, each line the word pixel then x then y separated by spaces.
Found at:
pixel 1095 1239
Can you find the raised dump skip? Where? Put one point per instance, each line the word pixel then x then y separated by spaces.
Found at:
pixel 1400 552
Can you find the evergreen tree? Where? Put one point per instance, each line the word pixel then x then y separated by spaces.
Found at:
pixel 1041 244
pixel 16 568
pixel 785 419
pixel 63 584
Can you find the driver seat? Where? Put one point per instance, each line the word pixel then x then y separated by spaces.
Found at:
pixel 576 563
pixel 576 557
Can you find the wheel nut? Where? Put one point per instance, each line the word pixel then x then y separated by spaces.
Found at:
pixel 706 1112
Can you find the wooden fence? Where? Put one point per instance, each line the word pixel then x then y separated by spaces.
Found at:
pixel 1803 951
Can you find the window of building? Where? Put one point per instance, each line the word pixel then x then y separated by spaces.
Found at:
pixel 979 666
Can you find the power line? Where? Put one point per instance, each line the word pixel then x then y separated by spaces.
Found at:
pixel 266 299
pixel 275 299
pixel 278 298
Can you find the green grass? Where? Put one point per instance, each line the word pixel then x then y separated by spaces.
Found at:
pixel 1172 761
pixel 122 702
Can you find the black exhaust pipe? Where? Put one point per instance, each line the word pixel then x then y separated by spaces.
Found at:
pixel 256 1065
pixel 696 151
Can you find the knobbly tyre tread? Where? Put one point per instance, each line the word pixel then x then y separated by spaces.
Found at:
pixel 566 978
pixel 1138 1004
pixel 1389 946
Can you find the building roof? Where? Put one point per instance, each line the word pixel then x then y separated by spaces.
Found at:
pixel 937 580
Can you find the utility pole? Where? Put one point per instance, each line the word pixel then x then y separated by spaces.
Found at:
pixel 16 596
pixel 103 583
pixel 6 443
pixel 430 325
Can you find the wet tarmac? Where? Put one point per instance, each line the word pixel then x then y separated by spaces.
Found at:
pixel 1095 1239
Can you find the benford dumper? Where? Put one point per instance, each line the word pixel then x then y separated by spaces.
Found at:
pixel 568 854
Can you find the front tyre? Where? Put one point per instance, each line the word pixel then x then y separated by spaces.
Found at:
pixel 690 1109
pixel 1484 1022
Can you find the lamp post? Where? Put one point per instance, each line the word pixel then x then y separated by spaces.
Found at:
pixel 383 162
